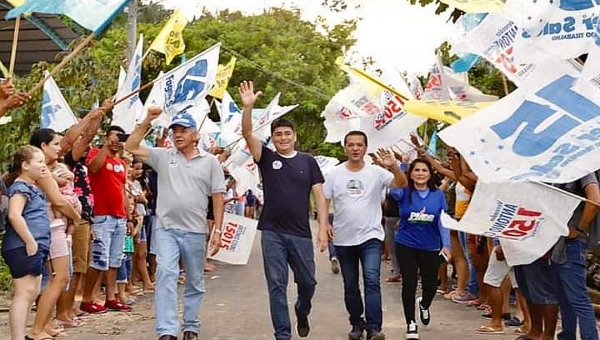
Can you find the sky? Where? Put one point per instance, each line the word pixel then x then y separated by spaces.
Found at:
pixel 392 32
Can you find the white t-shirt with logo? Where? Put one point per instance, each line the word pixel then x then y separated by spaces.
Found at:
pixel 356 198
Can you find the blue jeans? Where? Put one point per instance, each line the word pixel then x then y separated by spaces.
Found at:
pixel 575 303
pixel 170 245
pixel 125 271
pixel 473 286
pixel 109 238
pixel 279 251
pixel 368 254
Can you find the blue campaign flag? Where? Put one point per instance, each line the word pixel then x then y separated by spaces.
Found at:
pixel 432 148
pixel 94 15
pixel 464 63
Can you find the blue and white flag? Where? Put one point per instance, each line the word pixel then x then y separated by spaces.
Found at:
pixel 589 82
pixel 94 15
pixel 126 113
pixel 231 119
pixel 562 29
pixel 547 133
pixel 494 39
pixel 56 113
pixel 190 81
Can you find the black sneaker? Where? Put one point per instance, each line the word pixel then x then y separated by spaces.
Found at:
pixel 303 327
pixel 412 331
pixel 424 314
pixel 376 336
pixel 356 332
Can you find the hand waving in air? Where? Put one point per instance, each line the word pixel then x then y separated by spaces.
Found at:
pixel 247 93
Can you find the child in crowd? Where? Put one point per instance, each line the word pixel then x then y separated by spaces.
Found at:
pixel 26 243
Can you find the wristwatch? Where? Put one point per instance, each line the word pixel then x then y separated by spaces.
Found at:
pixel 218 231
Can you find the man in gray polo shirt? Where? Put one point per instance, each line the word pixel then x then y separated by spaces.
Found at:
pixel 186 176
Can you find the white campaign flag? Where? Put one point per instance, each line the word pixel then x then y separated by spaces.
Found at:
pixel 190 81
pixel 231 119
pixel 391 125
pixel 589 81
pixel 247 177
pixel 458 85
pixel 549 133
pixel 237 239
pixel 494 40
pixel 562 31
pixel 262 126
pixel 126 113
pixel 526 225
pixel 56 113
pixel 386 122
pixel 326 164
pixel 122 77
pixel 436 87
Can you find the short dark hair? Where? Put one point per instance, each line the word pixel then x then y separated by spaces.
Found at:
pixel 356 133
pixel 114 128
pixel 282 122
pixel 42 136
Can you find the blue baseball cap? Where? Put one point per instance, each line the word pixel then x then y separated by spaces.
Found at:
pixel 183 119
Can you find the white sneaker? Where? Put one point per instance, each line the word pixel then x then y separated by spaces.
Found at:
pixel 335 265
pixel 412 331
pixel 424 314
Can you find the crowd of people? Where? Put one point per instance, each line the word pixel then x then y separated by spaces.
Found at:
pixel 108 221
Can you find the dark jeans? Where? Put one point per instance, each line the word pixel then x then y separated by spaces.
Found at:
pixel 412 262
pixel 368 254
pixel 575 303
pixel 279 251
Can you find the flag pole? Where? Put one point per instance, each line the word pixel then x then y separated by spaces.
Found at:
pixel 129 95
pixel 504 84
pixel 62 64
pixel 13 51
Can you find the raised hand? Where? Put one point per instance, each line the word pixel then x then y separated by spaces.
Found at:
pixel 153 113
pixel 247 93
pixel 387 158
pixel 6 89
pixel 14 100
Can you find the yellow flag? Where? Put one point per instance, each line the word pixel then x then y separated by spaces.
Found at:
pixel 170 39
pixel 16 3
pixel 224 73
pixel 448 111
pixel 476 6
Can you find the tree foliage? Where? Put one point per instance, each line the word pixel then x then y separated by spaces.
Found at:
pixel 276 49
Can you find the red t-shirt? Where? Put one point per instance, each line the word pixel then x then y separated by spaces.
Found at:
pixel 108 186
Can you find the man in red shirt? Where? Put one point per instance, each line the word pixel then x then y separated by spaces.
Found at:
pixel 107 178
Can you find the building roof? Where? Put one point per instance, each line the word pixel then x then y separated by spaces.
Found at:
pixel 41 38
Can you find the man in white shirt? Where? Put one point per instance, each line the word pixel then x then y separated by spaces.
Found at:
pixel 355 189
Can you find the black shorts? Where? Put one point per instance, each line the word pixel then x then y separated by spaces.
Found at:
pixel 21 265
pixel 209 209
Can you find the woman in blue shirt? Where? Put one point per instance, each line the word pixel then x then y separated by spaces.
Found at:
pixel 421 241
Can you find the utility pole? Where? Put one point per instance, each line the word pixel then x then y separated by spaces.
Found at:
pixel 131 28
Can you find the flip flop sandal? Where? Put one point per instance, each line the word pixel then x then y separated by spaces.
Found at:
pixel 513 322
pixel 488 330
pixel 46 337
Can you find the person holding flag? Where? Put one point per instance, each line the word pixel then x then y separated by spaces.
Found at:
pixel 288 178
pixel 181 228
